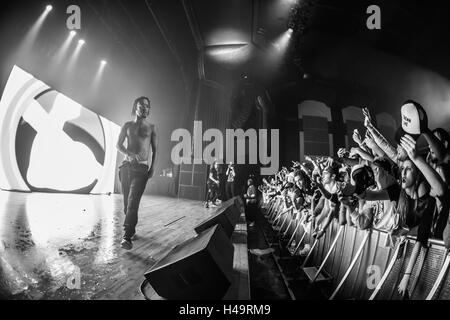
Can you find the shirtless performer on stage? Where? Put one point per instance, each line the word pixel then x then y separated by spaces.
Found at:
pixel 135 170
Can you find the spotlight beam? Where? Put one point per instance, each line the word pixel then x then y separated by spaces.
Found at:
pixel 62 52
pixel 30 38
pixel 98 77
pixel 74 57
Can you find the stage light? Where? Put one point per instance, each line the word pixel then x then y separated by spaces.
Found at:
pixel 81 42
pixel 26 46
pixel 73 33
pixel 103 62
pixel 229 53
pixel 283 41
pixel 49 8
pixel 289 32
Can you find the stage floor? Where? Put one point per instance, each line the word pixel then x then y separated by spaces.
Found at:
pixel 65 246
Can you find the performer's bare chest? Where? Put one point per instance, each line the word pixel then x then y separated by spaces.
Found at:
pixel 140 131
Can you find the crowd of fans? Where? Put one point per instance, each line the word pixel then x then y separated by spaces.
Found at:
pixel 396 189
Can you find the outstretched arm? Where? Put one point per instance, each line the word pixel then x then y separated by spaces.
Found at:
pixel 434 179
pixel 379 139
pixel 327 221
pixel 435 145
pixel 363 154
pixel 357 138
pixel 371 144
pixel 324 191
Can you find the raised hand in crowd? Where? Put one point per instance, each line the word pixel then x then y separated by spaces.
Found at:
pixel 342 152
pixel 367 118
pixel 409 144
pixel 357 137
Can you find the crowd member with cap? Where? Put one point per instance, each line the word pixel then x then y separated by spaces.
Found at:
pixel 392 189
pixel 378 191
pixel 362 178
pixel 395 154
pixel 419 181
pixel 414 124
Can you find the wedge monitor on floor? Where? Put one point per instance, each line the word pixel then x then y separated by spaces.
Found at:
pixel 227 215
pixel 199 268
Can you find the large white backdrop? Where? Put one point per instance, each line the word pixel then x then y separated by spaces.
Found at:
pixel 71 148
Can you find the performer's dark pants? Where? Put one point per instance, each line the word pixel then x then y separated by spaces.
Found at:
pixel 133 178
pixel 229 188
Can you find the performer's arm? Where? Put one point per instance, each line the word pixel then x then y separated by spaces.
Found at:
pixel 154 145
pixel 120 141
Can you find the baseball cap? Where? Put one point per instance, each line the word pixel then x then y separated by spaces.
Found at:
pixel 362 178
pixel 414 120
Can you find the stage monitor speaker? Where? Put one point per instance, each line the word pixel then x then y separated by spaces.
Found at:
pixel 227 215
pixel 199 268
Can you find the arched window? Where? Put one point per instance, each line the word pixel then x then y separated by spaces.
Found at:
pixel 315 137
pixel 353 119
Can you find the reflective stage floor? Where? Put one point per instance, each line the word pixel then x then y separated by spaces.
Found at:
pixel 65 246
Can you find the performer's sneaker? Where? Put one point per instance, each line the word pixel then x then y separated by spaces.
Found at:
pixel 134 237
pixel 206 205
pixel 126 244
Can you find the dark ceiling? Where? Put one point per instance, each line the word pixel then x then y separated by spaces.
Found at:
pixel 168 38
pixel 160 48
